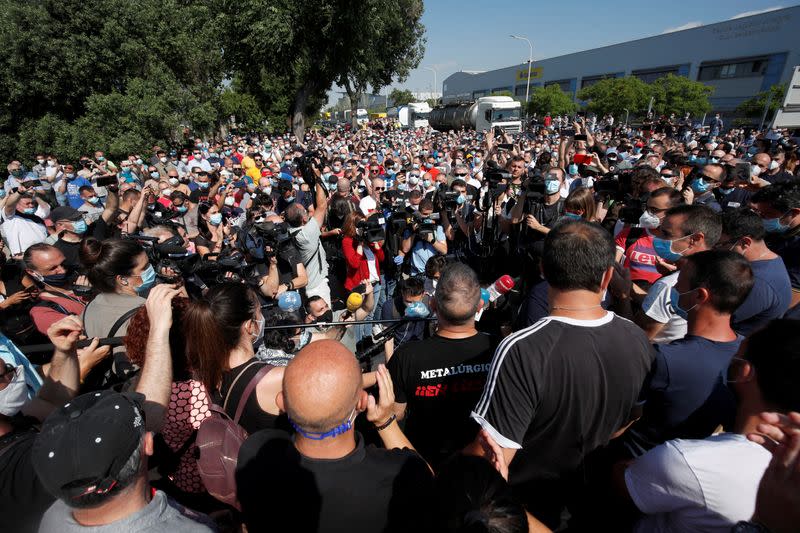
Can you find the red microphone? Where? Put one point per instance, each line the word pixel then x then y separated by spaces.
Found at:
pixel 500 287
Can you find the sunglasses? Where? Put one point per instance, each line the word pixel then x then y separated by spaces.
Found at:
pixel 379 188
pixel 461 175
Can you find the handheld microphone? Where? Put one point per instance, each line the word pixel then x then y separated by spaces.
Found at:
pixel 353 303
pixel 500 287
pixel 289 301
pixel 417 310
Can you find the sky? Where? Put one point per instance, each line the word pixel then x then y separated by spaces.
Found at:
pixel 474 35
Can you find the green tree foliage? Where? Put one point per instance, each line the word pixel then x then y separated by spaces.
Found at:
pixel 400 97
pixel 550 99
pixel 615 95
pixel 67 64
pixel 754 107
pixel 678 94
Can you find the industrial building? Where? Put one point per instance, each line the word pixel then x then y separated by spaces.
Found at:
pixel 739 58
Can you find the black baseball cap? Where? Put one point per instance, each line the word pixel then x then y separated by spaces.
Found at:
pixel 65 212
pixel 83 446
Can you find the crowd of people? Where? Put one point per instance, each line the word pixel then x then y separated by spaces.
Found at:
pixel 584 325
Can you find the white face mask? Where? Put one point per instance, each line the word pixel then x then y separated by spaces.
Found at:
pixel 163 159
pixel 230 200
pixel 649 220
pixel 15 395
pixel 773 165
pixel 755 170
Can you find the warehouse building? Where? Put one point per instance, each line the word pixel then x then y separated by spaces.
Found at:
pixel 739 58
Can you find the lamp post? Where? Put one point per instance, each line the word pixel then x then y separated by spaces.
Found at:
pixel 530 63
pixel 434 77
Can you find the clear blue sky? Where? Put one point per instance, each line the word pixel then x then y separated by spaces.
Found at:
pixel 474 35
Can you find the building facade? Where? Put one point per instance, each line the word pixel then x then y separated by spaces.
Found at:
pixel 739 58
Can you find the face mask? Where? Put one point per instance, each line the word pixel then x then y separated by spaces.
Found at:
pixel 79 227
pixel 51 163
pixel 203 184
pixel 148 279
pixel 40 161
pixel 773 225
pixel 337 169
pixel 184 160
pixel 305 338
pixel 649 221
pixel 415 166
pixel 755 170
pixel 663 248
pixel 101 158
pixel 572 216
pixel 228 152
pixel 674 300
pixel 364 161
pixel 260 325
pixel 460 199
pixel 699 186
pixel 162 159
pixel 551 186
pixel 715 160
pixel 182 209
pixel 2 193
pixel 16 173
pixel 166 192
pixel 70 176
pixel 773 165
pixel 155 175
pixel 126 174
pixel 15 395
pixel 215 219
pixel 229 201
pixel 426 183
pixel 477 160
pixel 327 316
pixel 726 192
pixel 139 161
pixel 573 169
pixel 266 190
pixel 29 210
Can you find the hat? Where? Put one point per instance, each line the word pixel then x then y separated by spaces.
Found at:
pixel 65 212
pixel 286 176
pixel 83 446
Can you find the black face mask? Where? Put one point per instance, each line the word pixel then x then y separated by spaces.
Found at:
pixel 327 316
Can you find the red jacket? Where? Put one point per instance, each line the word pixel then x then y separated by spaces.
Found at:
pixel 357 269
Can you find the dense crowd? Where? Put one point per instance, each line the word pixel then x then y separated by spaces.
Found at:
pixel 586 325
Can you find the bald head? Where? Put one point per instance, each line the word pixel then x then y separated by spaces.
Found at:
pixel 343 186
pixel 321 386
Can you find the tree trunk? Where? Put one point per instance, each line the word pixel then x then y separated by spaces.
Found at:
pixel 354 94
pixel 299 110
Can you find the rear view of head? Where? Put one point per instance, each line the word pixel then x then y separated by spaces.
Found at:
pixel 458 295
pixel 321 387
pixel 726 277
pixel 577 255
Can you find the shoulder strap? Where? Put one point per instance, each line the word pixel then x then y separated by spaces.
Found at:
pixel 52 305
pixel 249 390
pixel 235 381
pixel 121 320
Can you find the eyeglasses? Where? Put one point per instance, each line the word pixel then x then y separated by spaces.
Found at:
pixel 461 175
pixel 379 188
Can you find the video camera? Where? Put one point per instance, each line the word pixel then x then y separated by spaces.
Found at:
pixel 425 225
pixel 372 229
pixel 262 235
pixel 306 164
pixel 616 185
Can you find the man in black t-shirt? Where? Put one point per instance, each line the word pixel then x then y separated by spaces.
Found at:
pixel 325 478
pixel 567 384
pixel 438 380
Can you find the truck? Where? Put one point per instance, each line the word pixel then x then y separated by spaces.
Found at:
pixel 413 115
pixel 483 114
pixel 788 116
pixel 362 117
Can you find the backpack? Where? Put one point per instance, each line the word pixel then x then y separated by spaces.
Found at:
pixel 219 438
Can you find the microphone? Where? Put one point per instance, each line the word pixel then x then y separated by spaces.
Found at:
pixel 289 301
pixel 500 287
pixel 353 303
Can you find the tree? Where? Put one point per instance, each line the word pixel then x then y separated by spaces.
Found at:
pixel 389 44
pixel 550 99
pixel 616 96
pixel 61 56
pixel 400 97
pixel 754 107
pixel 678 94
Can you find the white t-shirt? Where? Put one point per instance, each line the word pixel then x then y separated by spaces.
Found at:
pixel 312 253
pixel 367 205
pixel 657 305
pixel 370 257
pixel 21 233
pixel 697 485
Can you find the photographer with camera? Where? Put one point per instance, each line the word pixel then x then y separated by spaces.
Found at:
pixel 306 231
pixel 424 239
pixel 285 270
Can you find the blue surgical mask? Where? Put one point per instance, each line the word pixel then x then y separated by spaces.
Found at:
pixel 215 219
pixel 29 210
pixel 93 200
pixel 699 186
pixel 79 227
pixel 203 184
pixel 154 175
pixel 552 186
pixel 460 199
pixel 663 248
pixel 773 225
pixel 725 191
pixel 182 209
pixel 148 279
pixel 674 297
pixel 573 169
pixel 573 216
pixel 426 183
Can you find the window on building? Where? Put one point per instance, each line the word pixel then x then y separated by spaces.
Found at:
pixel 519 90
pixel 478 94
pixel 651 75
pixel 588 81
pixel 565 85
pixel 733 69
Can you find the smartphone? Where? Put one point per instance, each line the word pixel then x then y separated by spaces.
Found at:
pixel 580 137
pixel 582 159
pixel 106 181
pixel 32 183
pixel 505 146
pixel 568 132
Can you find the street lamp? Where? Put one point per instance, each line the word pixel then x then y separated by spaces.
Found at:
pixel 434 78
pixel 530 63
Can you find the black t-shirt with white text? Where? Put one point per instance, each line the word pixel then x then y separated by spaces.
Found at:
pixel 440 380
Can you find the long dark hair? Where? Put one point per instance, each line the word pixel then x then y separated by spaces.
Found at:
pixel 105 260
pixel 212 328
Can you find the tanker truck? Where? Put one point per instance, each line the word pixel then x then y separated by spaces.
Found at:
pixel 483 114
pixel 413 115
